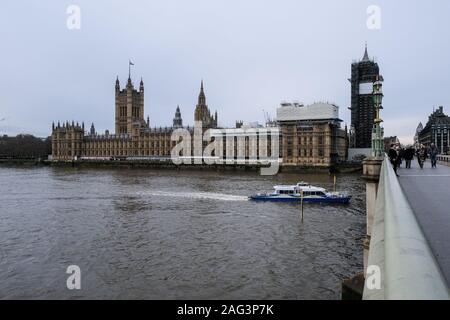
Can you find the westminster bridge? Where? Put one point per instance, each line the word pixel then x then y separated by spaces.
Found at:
pixel 406 251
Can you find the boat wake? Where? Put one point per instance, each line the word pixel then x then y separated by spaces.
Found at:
pixel 196 195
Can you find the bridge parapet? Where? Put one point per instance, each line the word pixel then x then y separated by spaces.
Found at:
pixel 444 159
pixel 400 262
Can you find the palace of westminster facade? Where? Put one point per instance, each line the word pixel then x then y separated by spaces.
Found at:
pixel 315 141
pixel 133 135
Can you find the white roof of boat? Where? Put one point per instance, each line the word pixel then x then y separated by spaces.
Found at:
pixel 312 188
pixel 296 187
pixel 285 187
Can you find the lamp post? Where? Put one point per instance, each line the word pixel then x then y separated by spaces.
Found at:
pixel 377 132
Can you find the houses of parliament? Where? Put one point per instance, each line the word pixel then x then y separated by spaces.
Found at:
pixel 133 137
pixel 308 135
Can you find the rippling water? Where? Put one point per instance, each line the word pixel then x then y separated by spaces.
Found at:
pixel 172 234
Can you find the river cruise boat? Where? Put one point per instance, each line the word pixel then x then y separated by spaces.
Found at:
pixel 295 192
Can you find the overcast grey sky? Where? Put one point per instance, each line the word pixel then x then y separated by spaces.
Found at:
pixel 252 54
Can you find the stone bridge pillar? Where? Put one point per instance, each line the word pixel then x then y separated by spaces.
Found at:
pixel 371 174
pixel 352 288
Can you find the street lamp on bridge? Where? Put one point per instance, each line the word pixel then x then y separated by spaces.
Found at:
pixel 377 132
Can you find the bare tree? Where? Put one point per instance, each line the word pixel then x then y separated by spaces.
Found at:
pixel 24 146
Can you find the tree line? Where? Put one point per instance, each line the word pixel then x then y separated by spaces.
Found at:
pixel 25 146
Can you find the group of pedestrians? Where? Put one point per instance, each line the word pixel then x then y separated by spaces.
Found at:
pixel 397 154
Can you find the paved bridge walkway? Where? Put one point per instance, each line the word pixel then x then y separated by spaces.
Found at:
pixel 428 192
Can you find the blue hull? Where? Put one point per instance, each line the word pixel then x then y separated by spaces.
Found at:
pixel 342 200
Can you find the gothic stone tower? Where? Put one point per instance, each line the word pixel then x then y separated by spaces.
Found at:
pixel 177 120
pixel 129 106
pixel 364 74
pixel 202 112
pixel 67 140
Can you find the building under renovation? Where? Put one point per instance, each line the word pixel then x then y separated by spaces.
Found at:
pixel 311 135
pixel 364 73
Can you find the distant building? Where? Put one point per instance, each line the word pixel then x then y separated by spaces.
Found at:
pixel 311 135
pixel 416 135
pixel 177 121
pixel 362 109
pixel 133 137
pixel 249 142
pixel 202 111
pixel 305 135
pixel 437 131
pixel 129 107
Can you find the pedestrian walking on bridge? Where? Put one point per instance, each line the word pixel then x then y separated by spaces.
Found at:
pixel 401 154
pixel 421 155
pixel 409 155
pixel 433 155
pixel 393 157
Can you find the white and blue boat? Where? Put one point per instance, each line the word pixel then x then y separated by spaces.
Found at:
pixel 289 193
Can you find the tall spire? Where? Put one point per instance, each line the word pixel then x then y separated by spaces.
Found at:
pixel 201 96
pixel 92 131
pixel 177 120
pixel 117 84
pixel 366 55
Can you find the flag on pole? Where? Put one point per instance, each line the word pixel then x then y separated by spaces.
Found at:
pixel 129 68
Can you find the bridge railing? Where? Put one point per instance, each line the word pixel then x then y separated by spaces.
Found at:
pixel 399 254
pixel 443 158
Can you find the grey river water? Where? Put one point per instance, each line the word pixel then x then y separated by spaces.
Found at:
pixel 161 234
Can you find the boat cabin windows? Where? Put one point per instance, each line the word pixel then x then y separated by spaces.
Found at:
pixel 313 193
pixel 286 191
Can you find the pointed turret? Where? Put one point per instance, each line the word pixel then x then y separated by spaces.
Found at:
pixel 201 96
pixel 129 83
pixel 202 112
pixel 177 120
pixel 141 85
pixel 366 55
pixel 117 84
pixel 92 131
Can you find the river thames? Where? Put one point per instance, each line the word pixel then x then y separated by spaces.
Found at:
pixel 162 234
